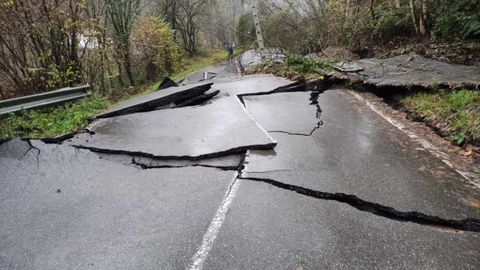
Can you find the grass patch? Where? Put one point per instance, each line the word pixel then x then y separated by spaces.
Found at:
pixel 54 121
pixel 456 113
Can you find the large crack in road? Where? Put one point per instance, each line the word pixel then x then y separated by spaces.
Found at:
pixel 469 224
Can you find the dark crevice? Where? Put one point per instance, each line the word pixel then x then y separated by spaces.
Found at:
pixel 198 100
pixel 241 100
pixel 61 138
pixel 241 166
pixel 289 133
pixel 33 147
pixel 469 224
pixel 293 87
pixel 237 150
pixel 160 103
pixel 67 136
pixel 147 167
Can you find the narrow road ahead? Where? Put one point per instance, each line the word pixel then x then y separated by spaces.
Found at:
pixel 287 179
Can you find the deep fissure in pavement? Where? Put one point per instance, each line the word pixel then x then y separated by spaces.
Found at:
pixel 293 87
pixel 149 167
pixel 469 224
pixel 236 150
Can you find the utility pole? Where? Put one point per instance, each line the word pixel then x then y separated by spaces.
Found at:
pixel 256 22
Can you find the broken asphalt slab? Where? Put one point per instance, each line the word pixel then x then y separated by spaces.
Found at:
pixel 356 152
pixel 272 228
pixel 156 100
pixel 166 83
pixel 222 127
pixel 200 99
pixel 64 208
pixel 271 110
pixel 408 71
pixel 257 85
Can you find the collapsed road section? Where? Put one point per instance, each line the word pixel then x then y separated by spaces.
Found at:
pixel 222 127
pixel 408 71
pixel 156 100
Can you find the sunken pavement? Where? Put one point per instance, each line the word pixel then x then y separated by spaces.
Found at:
pixel 253 172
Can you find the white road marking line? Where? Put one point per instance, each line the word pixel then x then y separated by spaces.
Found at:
pixel 426 144
pixel 215 226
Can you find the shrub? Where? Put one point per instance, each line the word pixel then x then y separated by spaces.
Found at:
pixel 456 19
pixel 155 51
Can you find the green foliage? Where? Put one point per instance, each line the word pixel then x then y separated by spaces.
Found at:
pixel 393 22
pixel 52 122
pixel 245 30
pixel 156 51
pixel 458 139
pixel 308 65
pixel 457 101
pixel 456 19
pixel 457 25
pixel 60 77
pixel 459 110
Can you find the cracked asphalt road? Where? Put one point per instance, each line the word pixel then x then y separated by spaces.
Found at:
pixel 334 186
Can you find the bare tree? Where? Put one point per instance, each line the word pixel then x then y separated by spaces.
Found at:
pixel 421 23
pixel 38 45
pixel 122 14
pixel 187 15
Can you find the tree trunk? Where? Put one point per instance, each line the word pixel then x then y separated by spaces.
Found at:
pixel 423 19
pixel 413 14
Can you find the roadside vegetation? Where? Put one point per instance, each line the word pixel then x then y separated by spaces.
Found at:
pixel 454 114
pixel 52 122
pixel 76 115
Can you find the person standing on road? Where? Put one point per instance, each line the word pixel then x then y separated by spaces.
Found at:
pixel 229 45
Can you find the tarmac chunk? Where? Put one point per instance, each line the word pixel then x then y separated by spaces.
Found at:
pixel 156 100
pixel 216 129
pixel 407 71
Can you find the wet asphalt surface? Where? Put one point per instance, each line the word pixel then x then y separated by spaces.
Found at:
pixel 294 180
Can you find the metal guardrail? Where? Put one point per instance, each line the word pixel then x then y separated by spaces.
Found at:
pixel 44 100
